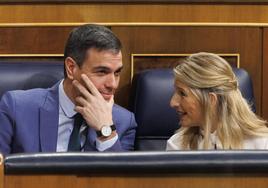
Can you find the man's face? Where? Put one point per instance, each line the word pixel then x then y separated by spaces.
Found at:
pixel 103 68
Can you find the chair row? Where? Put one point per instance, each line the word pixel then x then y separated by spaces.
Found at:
pixel 149 100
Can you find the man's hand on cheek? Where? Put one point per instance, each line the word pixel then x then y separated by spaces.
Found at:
pixel 96 111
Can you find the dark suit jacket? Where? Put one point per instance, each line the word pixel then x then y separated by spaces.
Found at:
pixel 29 123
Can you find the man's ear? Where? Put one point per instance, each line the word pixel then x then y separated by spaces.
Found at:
pixel 70 66
pixel 213 98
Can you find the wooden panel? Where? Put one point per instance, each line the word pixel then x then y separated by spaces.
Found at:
pixel 141 62
pixel 33 40
pixel 176 40
pixel 265 75
pixel 82 12
pixel 136 1
pixel 163 181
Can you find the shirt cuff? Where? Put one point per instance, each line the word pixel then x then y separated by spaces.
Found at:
pixel 103 145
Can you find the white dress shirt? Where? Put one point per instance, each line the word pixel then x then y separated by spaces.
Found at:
pixel 66 120
pixel 174 142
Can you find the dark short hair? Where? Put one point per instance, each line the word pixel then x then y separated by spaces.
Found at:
pixel 88 36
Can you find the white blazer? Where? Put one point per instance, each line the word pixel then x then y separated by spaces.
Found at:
pixel 174 143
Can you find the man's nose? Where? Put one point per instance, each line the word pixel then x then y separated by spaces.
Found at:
pixel 112 81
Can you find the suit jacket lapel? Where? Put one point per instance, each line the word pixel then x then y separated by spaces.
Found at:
pixel 49 120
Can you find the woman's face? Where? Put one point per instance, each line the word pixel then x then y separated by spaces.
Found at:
pixel 187 106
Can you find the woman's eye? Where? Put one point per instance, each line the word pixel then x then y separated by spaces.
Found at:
pixel 181 93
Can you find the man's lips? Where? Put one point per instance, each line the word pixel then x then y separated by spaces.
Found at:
pixel 107 95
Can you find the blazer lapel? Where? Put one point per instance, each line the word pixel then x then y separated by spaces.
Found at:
pixel 49 120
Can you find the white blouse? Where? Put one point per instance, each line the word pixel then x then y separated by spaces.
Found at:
pixel 173 142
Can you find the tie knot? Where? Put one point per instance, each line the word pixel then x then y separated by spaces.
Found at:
pixel 78 119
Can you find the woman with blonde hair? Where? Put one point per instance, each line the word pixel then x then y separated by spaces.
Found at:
pixel 212 112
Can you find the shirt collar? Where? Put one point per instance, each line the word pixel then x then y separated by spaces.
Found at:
pixel 66 104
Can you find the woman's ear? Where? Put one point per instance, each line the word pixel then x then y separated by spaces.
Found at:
pixel 70 67
pixel 213 98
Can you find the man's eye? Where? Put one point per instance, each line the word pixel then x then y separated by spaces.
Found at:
pixel 102 72
pixel 117 73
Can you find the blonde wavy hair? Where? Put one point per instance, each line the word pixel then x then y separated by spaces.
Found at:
pixel 205 73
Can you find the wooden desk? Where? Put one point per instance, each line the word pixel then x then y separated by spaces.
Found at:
pixel 135 181
pixel 218 169
pixel 1 172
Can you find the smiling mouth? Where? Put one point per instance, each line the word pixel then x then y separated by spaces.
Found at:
pixel 181 114
pixel 107 96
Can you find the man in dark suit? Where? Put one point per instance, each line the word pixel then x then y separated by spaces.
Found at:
pixel 42 120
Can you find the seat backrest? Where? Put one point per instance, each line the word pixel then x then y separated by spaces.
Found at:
pixel 150 96
pixel 28 75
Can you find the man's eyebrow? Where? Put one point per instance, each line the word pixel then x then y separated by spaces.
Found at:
pixel 104 68
pixel 101 68
pixel 119 69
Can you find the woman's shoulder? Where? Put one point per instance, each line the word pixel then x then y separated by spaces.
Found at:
pixel 257 142
pixel 174 142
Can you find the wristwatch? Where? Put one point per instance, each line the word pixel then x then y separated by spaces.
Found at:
pixel 106 131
